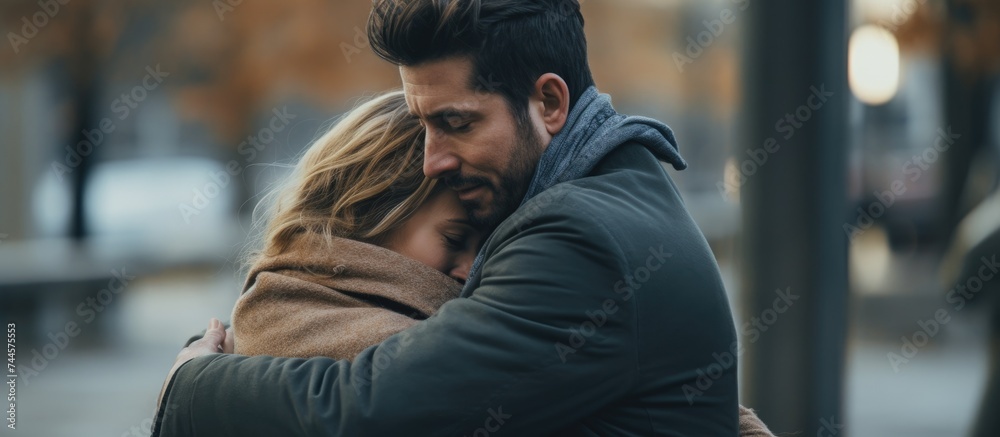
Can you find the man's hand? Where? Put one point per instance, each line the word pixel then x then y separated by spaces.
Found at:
pixel 216 340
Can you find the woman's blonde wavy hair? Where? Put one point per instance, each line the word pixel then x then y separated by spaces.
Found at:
pixel 360 180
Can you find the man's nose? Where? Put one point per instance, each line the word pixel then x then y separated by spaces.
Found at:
pixel 438 159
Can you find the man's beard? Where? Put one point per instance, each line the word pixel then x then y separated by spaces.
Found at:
pixel 513 182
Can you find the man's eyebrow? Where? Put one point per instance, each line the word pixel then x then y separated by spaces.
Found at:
pixel 448 111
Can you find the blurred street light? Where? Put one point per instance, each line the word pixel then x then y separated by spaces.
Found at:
pixel 873 65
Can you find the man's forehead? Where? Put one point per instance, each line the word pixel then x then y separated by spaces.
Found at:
pixel 441 71
pixel 437 83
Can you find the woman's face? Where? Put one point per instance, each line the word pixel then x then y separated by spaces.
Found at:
pixel 439 234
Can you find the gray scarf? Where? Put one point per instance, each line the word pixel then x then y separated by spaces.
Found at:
pixel 593 129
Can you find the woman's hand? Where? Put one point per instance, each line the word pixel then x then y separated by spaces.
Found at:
pixel 228 345
pixel 216 340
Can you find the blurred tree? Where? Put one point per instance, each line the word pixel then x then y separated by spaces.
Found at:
pixel 74 36
pixel 228 60
pixel 237 60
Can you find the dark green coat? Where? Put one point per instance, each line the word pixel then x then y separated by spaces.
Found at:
pixel 599 310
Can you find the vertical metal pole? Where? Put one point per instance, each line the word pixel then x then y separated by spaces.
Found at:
pixel 85 78
pixel 793 210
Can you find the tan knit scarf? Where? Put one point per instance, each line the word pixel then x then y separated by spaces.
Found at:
pixel 333 299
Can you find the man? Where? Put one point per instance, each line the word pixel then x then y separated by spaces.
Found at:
pixel 595 307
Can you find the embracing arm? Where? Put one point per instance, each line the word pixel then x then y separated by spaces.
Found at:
pixel 496 359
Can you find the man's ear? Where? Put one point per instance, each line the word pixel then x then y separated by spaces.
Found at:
pixel 551 94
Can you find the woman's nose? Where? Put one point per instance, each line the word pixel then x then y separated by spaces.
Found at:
pixel 461 270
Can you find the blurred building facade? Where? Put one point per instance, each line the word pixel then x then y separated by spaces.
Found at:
pixel 141 134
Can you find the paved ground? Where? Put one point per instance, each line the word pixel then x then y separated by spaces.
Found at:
pixel 109 390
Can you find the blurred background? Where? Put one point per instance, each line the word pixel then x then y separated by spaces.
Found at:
pixel 843 152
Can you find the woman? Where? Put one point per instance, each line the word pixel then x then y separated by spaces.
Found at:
pixel 359 246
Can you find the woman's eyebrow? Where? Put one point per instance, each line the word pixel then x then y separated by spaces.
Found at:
pixel 460 221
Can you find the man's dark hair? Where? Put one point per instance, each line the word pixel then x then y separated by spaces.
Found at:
pixel 511 42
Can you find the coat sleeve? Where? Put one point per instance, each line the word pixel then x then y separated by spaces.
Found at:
pixel 540 344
